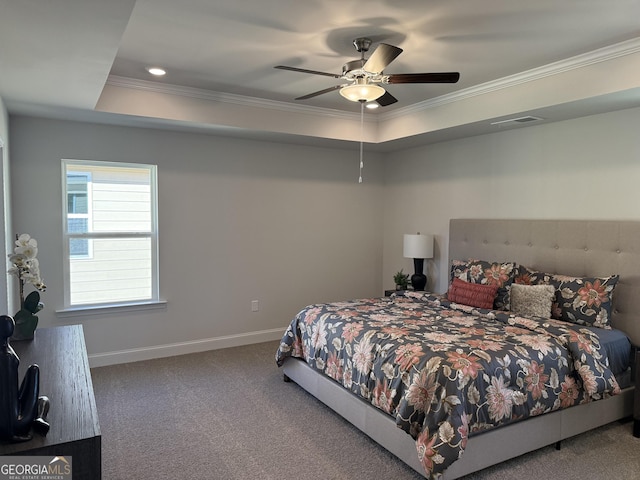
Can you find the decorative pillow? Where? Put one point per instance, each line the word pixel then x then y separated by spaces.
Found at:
pixel 532 300
pixel 586 300
pixel 526 276
pixel 472 294
pixel 500 274
pixel 581 300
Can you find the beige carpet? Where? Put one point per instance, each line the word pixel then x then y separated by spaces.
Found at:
pixel 227 414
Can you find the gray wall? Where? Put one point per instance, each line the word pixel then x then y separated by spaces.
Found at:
pixel 5 210
pixel 239 221
pixel 586 168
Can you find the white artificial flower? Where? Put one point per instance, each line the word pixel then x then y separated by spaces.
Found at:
pixel 27 250
pixel 17 258
pixel 25 265
pixel 33 264
pixel 30 277
pixel 25 239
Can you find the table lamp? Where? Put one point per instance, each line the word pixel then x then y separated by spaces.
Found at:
pixel 418 247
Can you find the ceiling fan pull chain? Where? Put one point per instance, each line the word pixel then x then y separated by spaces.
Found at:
pixel 361 139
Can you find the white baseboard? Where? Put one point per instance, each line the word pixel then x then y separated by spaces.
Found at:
pixel 194 346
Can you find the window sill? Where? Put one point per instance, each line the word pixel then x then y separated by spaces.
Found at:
pixel 83 311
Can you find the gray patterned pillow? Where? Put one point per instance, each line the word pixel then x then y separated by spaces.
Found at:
pixel 582 300
pixel 532 300
pixel 585 300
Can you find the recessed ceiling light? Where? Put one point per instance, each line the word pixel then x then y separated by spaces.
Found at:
pixel 372 105
pixel 157 71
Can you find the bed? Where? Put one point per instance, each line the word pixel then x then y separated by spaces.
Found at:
pixel 519 403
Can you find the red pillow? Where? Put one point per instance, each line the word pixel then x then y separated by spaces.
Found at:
pixel 472 294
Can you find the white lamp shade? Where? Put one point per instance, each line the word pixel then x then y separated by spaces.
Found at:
pixel 418 246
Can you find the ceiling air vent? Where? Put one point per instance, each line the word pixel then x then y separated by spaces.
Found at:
pixel 510 121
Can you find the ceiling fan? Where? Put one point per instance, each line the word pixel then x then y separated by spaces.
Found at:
pixel 364 77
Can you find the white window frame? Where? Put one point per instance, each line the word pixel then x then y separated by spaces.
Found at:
pixel 154 301
pixel 87 215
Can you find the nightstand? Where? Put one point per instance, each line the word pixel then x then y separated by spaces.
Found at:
pixel 388 293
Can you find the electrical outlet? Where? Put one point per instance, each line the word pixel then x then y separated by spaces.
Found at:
pixel 255 306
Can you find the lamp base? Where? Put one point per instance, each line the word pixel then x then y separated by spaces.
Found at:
pixel 418 281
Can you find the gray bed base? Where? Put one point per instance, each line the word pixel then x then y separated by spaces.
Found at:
pixel 483 450
pixel 570 247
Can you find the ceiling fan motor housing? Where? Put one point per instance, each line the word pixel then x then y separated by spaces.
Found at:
pixel 362 44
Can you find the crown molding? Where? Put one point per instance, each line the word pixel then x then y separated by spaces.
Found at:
pixel 229 98
pixel 621 49
pixel 604 54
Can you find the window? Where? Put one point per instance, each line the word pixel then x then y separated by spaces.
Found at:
pixel 110 233
pixel 78 212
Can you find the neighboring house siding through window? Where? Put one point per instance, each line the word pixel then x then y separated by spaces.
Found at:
pixel 110 232
pixel 78 212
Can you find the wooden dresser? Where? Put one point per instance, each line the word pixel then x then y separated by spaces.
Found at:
pixel 64 378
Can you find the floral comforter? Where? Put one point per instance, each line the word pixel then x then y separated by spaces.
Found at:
pixel 447 371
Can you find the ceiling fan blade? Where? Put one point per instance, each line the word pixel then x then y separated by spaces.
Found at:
pixel 443 77
pixel 386 99
pixel 382 56
pixel 320 92
pixel 303 70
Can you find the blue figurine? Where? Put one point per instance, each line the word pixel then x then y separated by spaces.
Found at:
pixel 20 408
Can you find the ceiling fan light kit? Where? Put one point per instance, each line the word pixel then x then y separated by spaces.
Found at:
pixel 361 91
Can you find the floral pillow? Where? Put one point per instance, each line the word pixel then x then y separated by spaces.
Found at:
pixel 585 301
pixel 581 300
pixel 500 274
pixel 526 276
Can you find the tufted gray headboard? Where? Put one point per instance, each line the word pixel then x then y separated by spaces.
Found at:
pixel 569 247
